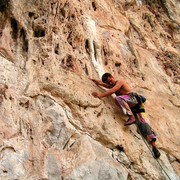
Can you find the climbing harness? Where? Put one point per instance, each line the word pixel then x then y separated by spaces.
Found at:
pixel 136 117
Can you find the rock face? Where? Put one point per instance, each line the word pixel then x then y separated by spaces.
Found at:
pixel 51 126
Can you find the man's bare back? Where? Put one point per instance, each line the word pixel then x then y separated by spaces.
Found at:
pixel 124 88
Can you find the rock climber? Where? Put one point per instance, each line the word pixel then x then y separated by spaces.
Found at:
pixel 127 100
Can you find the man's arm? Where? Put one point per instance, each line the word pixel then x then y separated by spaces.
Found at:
pixel 109 91
pixel 100 83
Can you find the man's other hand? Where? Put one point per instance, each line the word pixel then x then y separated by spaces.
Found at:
pixel 96 95
pixel 97 82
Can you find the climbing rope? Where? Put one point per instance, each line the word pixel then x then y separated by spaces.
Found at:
pixel 149 147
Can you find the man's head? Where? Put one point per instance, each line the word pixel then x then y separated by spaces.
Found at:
pixel 108 79
pixel 105 77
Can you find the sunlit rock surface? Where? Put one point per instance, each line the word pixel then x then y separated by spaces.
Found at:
pixel 51 126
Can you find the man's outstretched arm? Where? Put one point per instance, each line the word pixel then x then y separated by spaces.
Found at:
pixel 100 83
pixel 109 91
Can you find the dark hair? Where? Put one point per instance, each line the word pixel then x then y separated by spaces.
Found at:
pixel 105 76
pixel 3 5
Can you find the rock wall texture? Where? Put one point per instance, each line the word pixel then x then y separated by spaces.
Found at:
pixel 51 127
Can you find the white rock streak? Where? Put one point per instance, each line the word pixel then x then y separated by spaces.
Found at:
pixel 95 53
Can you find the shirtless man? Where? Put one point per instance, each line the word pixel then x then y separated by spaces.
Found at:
pixel 124 94
pixel 126 99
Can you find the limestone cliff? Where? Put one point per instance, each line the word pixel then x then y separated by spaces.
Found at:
pixel 51 127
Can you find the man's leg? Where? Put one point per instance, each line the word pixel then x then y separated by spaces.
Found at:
pixel 155 150
pixel 148 134
pixel 120 102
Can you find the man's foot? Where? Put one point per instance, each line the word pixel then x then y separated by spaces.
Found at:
pixel 156 152
pixel 129 121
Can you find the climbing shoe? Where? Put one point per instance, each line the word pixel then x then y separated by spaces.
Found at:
pixel 129 121
pixel 156 153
